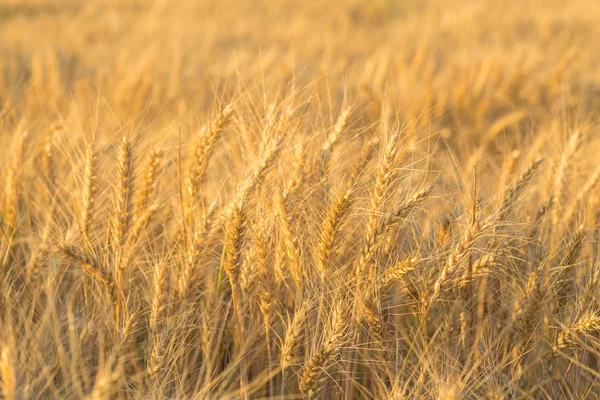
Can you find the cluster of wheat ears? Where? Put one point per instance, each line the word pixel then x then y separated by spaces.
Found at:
pixel 417 227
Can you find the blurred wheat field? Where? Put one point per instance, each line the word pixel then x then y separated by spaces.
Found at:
pixel 342 199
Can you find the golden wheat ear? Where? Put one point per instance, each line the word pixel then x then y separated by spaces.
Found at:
pixel 122 216
pixel 202 152
pixel 584 326
pixel 90 265
pixel 148 186
pixel 329 229
pixel 314 371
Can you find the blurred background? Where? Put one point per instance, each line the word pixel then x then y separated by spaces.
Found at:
pixel 180 53
pixel 472 73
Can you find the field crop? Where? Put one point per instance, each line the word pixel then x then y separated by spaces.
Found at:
pixel 344 199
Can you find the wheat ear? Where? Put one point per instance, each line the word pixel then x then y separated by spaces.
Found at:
pixel 313 372
pixel 290 241
pixel 329 228
pixel 148 186
pixel 458 254
pixel 515 190
pixel 382 181
pixel 585 325
pixel 384 225
pixel 202 152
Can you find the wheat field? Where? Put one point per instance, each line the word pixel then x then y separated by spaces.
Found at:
pixel 343 199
